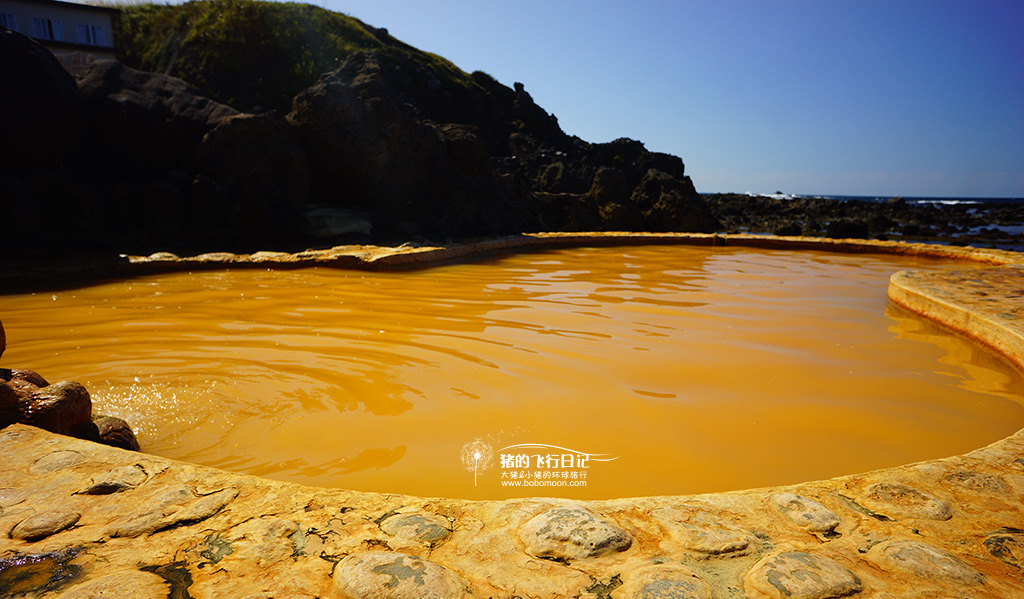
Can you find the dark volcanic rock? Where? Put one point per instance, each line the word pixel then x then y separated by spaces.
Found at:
pixel 382 136
pixel 612 195
pixel 43 122
pixel 258 166
pixel 896 219
pixel 671 204
pixel 847 229
pixel 369 149
pixel 567 212
pixel 42 109
pixel 403 137
pixel 146 118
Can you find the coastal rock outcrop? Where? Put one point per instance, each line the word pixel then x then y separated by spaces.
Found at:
pixel 671 204
pixel 256 174
pixel 402 141
pixel 148 119
pixel 382 135
pixel 980 224
pixel 370 147
pixel 43 111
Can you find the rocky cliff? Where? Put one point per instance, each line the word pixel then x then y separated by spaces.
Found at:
pixel 247 148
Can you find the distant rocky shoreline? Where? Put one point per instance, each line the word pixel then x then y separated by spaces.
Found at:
pixel 979 225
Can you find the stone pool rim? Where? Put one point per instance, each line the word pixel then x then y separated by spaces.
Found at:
pixel 946 523
pixel 30 274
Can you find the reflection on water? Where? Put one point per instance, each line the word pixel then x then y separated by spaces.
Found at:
pixel 698 369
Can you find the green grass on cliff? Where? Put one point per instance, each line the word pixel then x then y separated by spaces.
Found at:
pixel 252 53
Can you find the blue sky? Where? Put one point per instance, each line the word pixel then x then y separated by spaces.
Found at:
pixel 921 98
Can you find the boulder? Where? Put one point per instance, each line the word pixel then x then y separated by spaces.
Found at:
pixel 847 229
pixel 45 523
pixel 392 575
pixel 42 108
pixel 8 403
pixel 611 193
pixel 115 432
pixel 671 204
pixel 369 148
pixel 26 381
pixel 64 408
pixel 558 177
pixel 145 119
pixel 259 165
pixel 331 223
pixel 572 533
pixel 566 212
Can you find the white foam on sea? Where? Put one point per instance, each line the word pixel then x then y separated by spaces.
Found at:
pixel 948 202
pixel 775 196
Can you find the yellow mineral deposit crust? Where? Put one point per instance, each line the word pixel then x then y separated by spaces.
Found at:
pixel 82 520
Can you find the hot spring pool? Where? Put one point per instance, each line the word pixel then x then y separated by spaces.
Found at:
pixel 640 370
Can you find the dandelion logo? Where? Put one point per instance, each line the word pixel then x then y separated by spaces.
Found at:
pixel 477 456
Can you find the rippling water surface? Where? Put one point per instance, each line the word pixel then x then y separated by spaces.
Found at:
pixel 696 369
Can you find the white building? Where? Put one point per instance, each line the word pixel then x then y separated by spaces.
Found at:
pixel 77 34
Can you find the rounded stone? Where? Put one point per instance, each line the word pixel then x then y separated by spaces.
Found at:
pixel 29 380
pixel 702 531
pixel 8 404
pixel 903 500
pixel 127 583
pixel 390 575
pixel 63 408
pixel 115 481
pixel 924 560
pixel 116 433
pixel 799 575
pixel 164 257
pixel 56 460
pixel 978 481
pixel 427 528
pixel 665 581
pixel 806 512
pixel 11 496
pixel 713 540
pixel 43 524
pixel 572 533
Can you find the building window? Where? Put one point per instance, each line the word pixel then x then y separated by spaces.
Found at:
pixel 91 34
pixel 7 20
pixel 47 29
